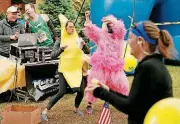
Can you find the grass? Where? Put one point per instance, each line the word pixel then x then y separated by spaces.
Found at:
pixel 62 113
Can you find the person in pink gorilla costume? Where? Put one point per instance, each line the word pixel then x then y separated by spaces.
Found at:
pixel 107 64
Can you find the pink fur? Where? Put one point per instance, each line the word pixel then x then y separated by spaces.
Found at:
pixel 107 66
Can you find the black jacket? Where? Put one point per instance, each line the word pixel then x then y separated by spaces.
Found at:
pixel 57 50
pixel 152 82
pixel 6 30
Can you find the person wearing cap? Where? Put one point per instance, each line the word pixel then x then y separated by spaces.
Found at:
pixel 9 30
pixel 152 81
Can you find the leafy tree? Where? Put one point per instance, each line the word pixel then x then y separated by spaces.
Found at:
pixel 54 7
pixel 77 6
pixel 69 8
pixel 2 16
pixel 81 18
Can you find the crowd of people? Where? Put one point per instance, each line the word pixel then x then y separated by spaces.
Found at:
pixel 149 45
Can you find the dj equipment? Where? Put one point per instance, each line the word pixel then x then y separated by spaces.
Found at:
pixel 30 54
pixel 28 39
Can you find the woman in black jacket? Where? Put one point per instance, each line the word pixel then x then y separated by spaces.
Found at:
pixel 152 81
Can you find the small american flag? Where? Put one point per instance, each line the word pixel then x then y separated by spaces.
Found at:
pixel 105 117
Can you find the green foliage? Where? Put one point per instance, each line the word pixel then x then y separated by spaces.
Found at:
pixel 54 7
pixel 2 16
pixel 81 18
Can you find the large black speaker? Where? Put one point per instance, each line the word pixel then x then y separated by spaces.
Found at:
pixel 42 79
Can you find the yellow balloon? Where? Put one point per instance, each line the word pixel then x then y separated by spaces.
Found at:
pixel 130 61
pixel 166 111
pixel 130 64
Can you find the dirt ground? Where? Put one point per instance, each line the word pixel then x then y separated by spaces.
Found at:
pixel 62 113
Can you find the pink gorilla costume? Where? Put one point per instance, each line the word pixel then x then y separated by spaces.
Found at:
pixel 107 64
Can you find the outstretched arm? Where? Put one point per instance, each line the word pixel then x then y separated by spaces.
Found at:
pixel 120 103
pixel 57 50
pixel 137 97
pixel 91 31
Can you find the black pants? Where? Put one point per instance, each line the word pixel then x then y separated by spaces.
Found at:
pixel 63 90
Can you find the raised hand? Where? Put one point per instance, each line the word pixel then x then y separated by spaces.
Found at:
pixel 64 47
pixel 87 14
pixel 108 19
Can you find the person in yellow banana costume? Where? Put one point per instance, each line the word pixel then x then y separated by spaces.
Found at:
pixel 71 62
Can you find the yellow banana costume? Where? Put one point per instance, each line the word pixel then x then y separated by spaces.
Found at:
pixel 71 60
pixel 7 75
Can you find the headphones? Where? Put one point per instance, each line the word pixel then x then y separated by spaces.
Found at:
pixel 140 42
